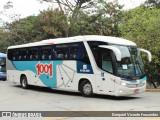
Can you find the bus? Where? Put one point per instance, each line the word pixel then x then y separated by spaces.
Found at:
pixel 90 64
pixel 3 66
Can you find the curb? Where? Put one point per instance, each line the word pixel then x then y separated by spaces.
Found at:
pixel 153 90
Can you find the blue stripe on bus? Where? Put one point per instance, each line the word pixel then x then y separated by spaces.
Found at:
pixel 46 78
pixel 144 79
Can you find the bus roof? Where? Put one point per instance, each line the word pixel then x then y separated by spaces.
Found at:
pixel 107 39
pixel 3 55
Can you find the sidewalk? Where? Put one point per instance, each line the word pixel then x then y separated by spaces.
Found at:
pixel 152 90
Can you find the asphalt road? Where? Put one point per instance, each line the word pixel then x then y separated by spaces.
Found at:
pixel 14 98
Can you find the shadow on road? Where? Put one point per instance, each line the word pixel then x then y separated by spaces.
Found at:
pixel 49 90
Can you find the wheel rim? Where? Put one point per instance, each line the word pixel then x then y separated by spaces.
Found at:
pixel 24 82
pixel 87 89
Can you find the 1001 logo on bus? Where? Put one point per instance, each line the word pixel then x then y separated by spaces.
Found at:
pixel 44 69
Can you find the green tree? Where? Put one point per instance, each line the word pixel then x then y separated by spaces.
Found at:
pixel 110 15
pixel 21 31
pixel 3 40
pixel 48 24
pixel 72 10
pixel 153 3
pixel 51 24
pixel 103 21
pixel 142 26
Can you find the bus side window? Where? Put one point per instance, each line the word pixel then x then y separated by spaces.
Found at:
pixel 30 55
pixel 14 55
pixel 73 51
pixel 54 53
pixel 82 54
pixel 62 51
pixel 19 55
pixel 22 54
pixel 36 55
pixel 46 53
pixel 33 54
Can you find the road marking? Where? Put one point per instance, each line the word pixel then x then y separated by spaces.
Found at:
pixel 151 119
pixel 58 118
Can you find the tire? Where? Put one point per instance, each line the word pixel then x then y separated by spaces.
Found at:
pixel 86 89
pixel 24 83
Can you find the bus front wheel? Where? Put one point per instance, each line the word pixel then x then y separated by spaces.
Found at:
pixel 24 83
pixel 86 88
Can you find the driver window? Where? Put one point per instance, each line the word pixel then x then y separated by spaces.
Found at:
pixel 107 62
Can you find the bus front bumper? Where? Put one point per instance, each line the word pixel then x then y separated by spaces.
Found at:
pixel 126 91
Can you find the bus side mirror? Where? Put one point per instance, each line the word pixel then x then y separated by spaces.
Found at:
pixel 149 54
pixel 114 49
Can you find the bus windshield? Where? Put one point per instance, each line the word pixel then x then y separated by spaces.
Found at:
pixel 131 65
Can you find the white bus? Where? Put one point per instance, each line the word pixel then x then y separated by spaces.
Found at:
pixel 89 64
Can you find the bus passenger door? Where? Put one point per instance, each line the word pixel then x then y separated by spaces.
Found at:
pixel 107 77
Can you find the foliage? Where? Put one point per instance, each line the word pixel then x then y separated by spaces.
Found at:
pixel 72 9
pixel 110 17
pixel 153 3
pixel 90 16
pixel 21 31
pixel 71 19
pixel 51 24
pixel 48 24
pixel 142 26
pixel 3 41
pixel 103 21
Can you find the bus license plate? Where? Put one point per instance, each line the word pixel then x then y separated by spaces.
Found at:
pixel 136 91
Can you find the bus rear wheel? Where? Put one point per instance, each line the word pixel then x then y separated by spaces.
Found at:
pixel 24 83
pixel 86 89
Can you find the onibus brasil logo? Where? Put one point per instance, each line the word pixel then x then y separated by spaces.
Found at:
pixel 44 69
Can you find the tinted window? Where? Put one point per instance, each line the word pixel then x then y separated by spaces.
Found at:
pixel 106 62
pixel 21 54
pixel 102 56
pixel 46 53
pixel 73 51
pixel 82 54
pixel 33 54
pixel 61 51
pixel 68 51
pixel 12 54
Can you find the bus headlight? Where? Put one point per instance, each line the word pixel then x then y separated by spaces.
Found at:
pixel 121 91
pixel 123 83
